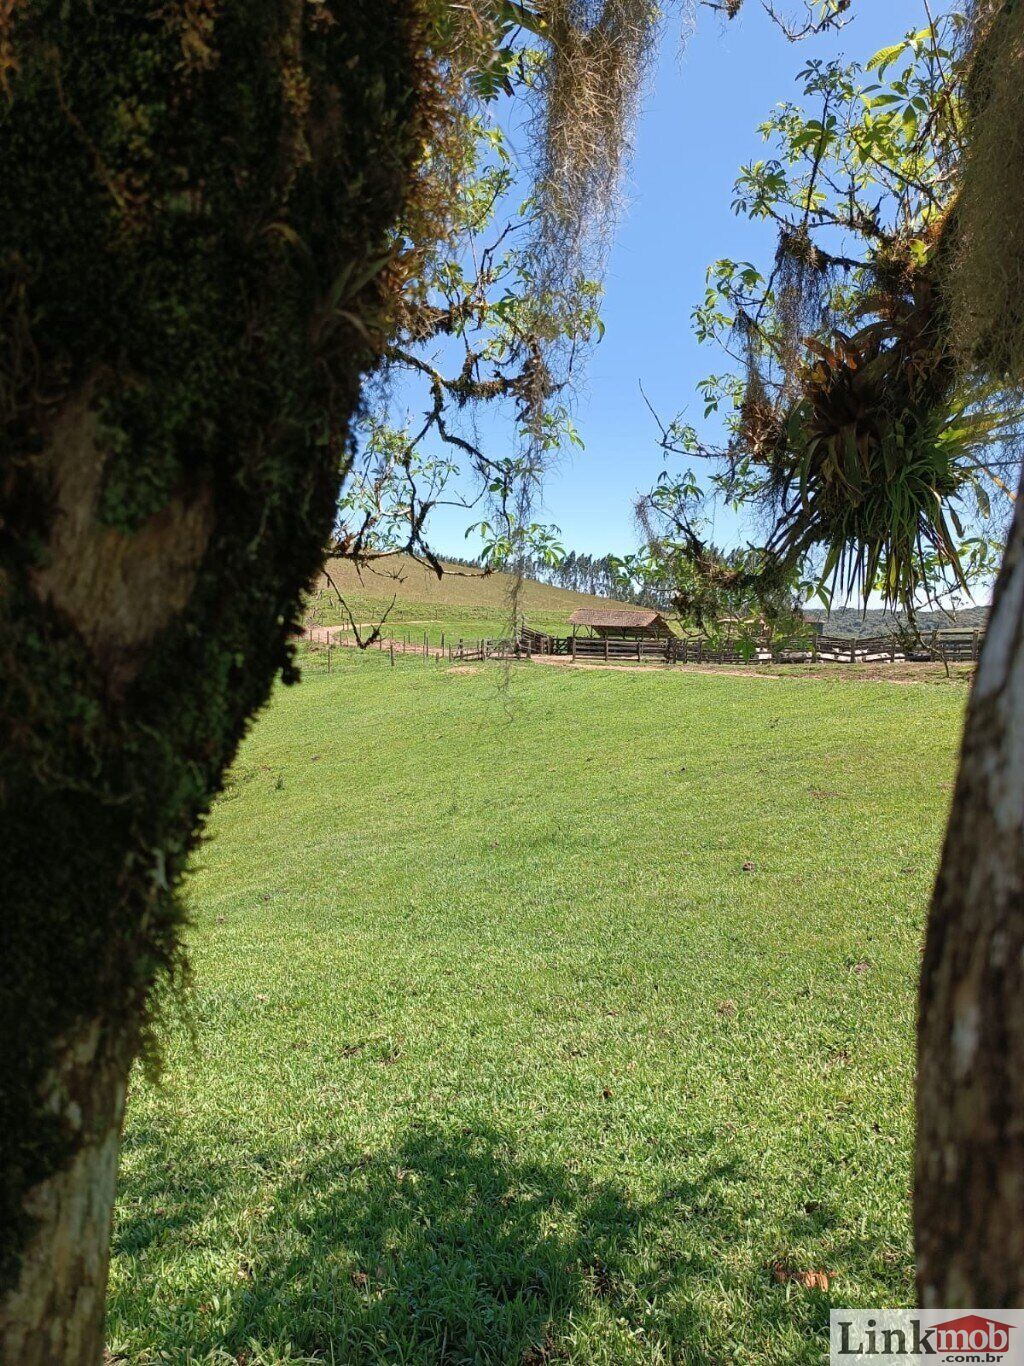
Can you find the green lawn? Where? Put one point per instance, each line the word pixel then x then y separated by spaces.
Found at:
pixel 497 1052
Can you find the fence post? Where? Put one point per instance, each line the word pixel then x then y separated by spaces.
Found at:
pixel 974 644
pixel 392 654
pixel 606 649
pixel 639 656
pixel 574 647
pixel 328 654
pixel 853 651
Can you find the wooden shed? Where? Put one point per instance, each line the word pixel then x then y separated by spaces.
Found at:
pixel 621 622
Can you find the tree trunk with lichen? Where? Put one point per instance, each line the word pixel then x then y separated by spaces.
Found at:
pixel 54 1309
pixel 969 1189
pixel 196 256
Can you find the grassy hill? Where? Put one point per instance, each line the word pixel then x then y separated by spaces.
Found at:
pixel 464 602
pixel 563 1019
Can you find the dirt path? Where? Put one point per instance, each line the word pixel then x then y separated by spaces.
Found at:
pixel 343 637
pixel 319 635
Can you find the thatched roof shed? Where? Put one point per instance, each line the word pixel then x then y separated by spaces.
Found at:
pixel 621 622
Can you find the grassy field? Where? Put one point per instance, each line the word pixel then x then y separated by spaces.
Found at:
pixel 563 1021
pixel 465 603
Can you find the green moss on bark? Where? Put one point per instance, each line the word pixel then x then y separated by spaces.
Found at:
pixel 195 207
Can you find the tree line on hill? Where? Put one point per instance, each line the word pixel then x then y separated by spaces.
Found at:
pixel 597 575
pixel 602 577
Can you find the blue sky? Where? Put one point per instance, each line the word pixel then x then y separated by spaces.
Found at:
pixel 699 124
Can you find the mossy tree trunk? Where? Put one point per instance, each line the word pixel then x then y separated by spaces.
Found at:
pixel 196 208
pixel 969 1192
pixel 53 1308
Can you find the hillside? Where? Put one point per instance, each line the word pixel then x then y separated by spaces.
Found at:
pixel 465 601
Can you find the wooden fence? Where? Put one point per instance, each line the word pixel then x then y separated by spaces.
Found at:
pixel 949 646
pixel 321 640
pixel 944 646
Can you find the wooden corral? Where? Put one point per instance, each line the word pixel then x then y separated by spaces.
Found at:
pixel 936 646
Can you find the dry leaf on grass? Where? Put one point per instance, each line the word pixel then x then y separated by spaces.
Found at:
pixel 810 1280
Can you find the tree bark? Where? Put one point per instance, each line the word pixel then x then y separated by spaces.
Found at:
pixel 199 261
pixel 54 1311
pixel 969 1184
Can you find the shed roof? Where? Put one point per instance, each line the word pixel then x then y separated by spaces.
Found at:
pixel 616 616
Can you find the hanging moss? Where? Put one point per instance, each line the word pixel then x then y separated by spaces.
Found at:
pixel 195 207
pixel 599 52
pixel 803 281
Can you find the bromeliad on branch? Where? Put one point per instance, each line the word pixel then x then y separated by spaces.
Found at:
pixel 852 430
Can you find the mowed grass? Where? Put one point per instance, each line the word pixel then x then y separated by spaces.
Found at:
pixel 499 1053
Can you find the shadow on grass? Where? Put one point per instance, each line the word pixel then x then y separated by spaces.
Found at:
pixel 448 1250
pixel 452 1249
